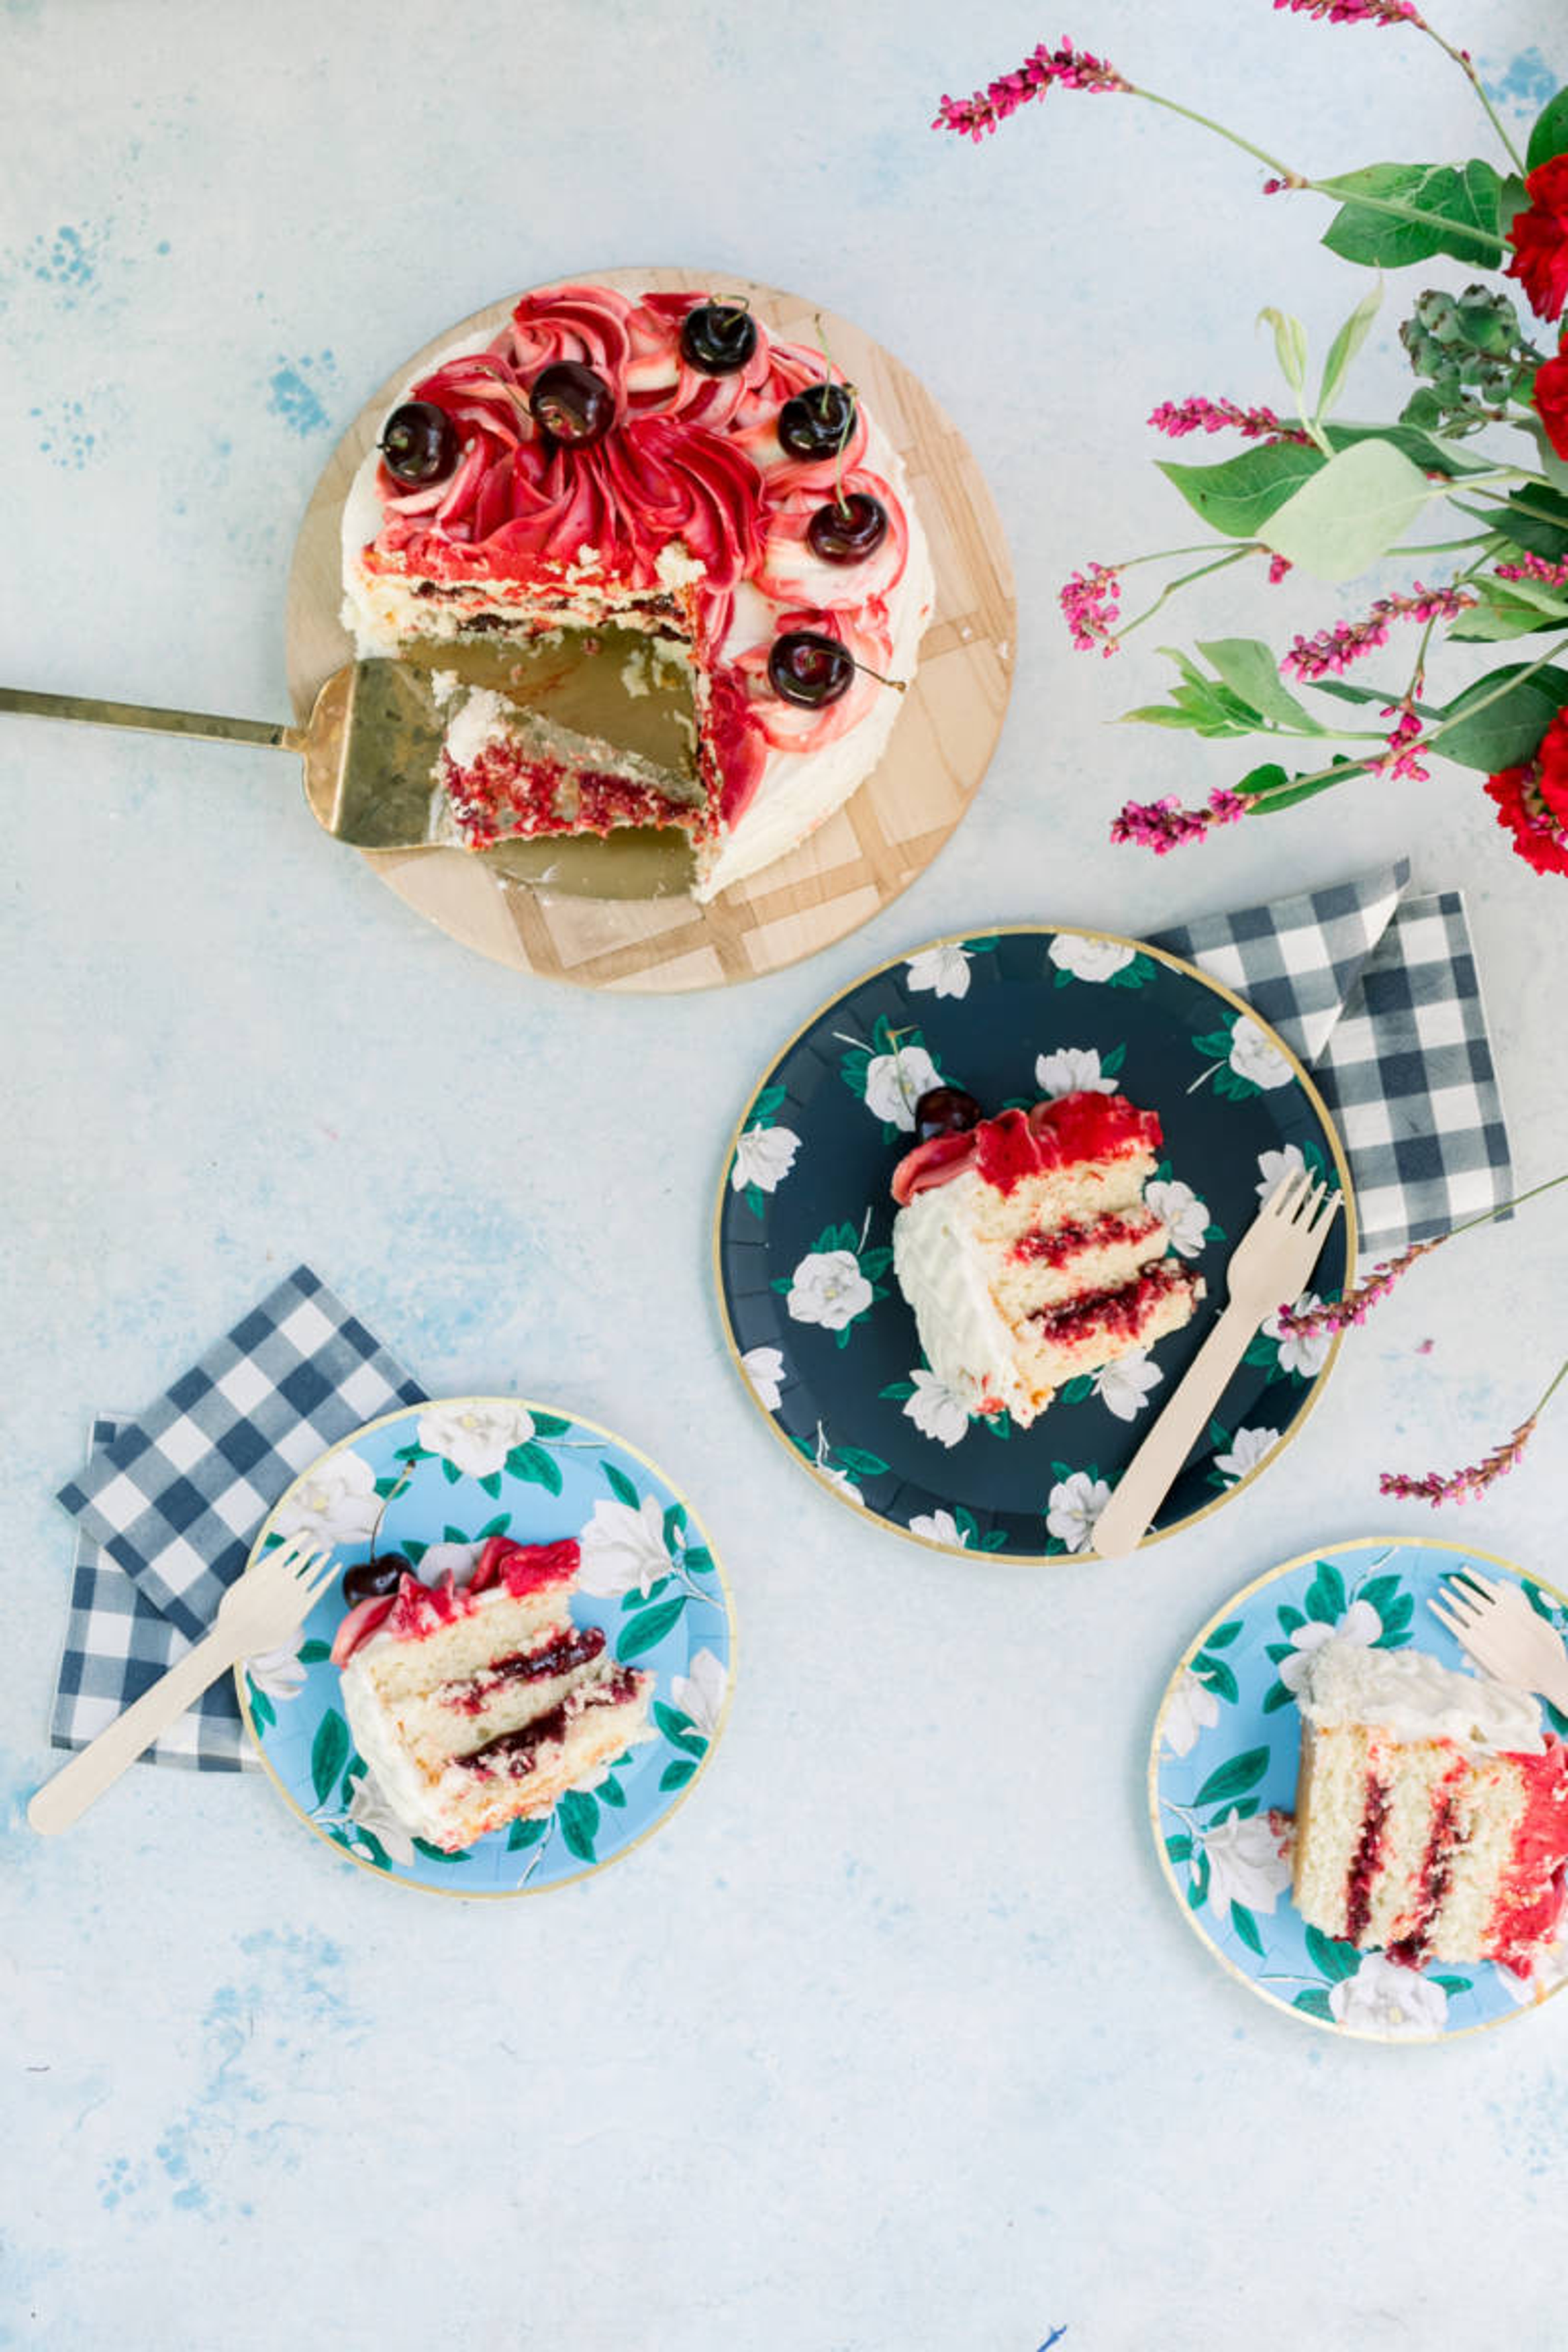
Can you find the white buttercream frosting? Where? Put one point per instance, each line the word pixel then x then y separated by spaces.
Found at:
pixel 940 1272
pixel 1411 1695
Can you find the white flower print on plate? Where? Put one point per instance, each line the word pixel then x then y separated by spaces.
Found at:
pixel 895 1083
pixel 337 1502
pixel 936 1410
pixel 1257 1058
pixel 942 970
pixel 1125 1385
pixel 1074 1069
pixel 477 1436
pixel 1192 1710
pixel 1089 959
pixel 1179 1211
pixel 939 1527
pixel 280 1673
pixel 701 1692
pixel 623 1549
pixel 763 1157
pixel 1246 1450
pixel 368 1809
pixel 1360 1623
pixel 764 1367
pixel 1074 1508
pixel 1245 1864
pixel 1305 1352
pixel 1388 2000
pixel 829 1288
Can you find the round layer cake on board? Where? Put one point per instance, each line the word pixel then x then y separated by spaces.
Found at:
pixel 623 920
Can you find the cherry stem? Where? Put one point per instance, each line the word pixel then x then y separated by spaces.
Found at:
pixel 899 684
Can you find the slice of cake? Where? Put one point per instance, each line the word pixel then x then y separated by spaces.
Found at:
pixel 1431 1809
pixel 1028 1254
pixel 660 467
pixel 482 1704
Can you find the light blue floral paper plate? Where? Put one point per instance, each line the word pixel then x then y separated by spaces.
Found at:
pixel 1225 1746
pixel 449 1476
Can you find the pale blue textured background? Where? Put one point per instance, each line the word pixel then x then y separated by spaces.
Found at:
pixel 894 2039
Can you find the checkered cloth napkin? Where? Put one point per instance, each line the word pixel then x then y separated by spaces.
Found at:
pixel 1377 993
pixel 170 1500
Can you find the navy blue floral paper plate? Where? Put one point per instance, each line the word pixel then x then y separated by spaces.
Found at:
pixel 803 1230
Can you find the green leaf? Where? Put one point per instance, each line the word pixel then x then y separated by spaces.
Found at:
pixel 860 1463
pixel 523 1834
pixel 678 1728
pixel 1250 670
pixel 1549 133
pixel 1507 733
pixel 1197 1891
pixel 1078 1388
pixel 620 1485
pixel 1378 1591
pixel 1246 1926
pixel 1278 1697
pixel 1290 348
pixel 1423 448
pixel 697 1560
pixel 638 1598
pixel 1343 691
pixel 414 1551
pixel 1345 347
pixel 1216 1676
pixel 1235 1778
pixel 1463 207
pixel 329 1753
pixel 676 1776
pixel 1291 1620
pixel 1535 518
pixel 1330 1957
pixel 312 1653
pixel 1325 1602
pixel 578 1815
pixel 1358 507
pixel 1111 1064
pixel 550 1424
pixel 1238 498
pixel 1451 1985
pixel 1179 1847
pixel 491 1485
pixel 449 1471
pixel 1502 615
pixel 261 1707
pixel 648 1629
pixel 384 1487
pixel 1222 1635
pixel 1537 1600
pixel 610 1792
pixel 1315 2002
pixel 674 1523
pixel 897 1390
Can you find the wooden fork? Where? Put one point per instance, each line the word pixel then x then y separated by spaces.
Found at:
pixel 1503 1632
pixel 260 1608
pixel 1271 1263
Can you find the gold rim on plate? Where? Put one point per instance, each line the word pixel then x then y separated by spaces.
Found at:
pixel 1175 963
pixel 1232 1601
pixel 591 1869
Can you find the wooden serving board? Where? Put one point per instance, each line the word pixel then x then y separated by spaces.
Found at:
pixel 856 863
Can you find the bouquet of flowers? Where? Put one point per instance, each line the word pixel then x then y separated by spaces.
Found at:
pixel 1331 498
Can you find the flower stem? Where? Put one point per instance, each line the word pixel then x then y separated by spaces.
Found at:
pixel 1462 59
pixel 1517 1201
pixel 1208 123
pixel 1182 581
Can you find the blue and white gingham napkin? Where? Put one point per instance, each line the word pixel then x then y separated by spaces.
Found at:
pixel 171 1498
pixel 1378 995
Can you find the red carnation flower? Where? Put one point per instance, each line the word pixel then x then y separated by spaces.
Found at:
pixel 1550 395
pixel 1532 802
pixel 1540 239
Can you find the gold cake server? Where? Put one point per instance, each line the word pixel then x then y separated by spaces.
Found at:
pixel 371 744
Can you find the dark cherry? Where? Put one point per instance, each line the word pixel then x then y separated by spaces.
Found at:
pixel 817 423
pixel 571 403
pixel 419 443
pixel 847 531
pixel 717 338
pixel 374 1579
pixel 808 668
pixel 945 1110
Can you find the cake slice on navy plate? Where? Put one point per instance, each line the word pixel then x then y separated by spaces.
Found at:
pixel 1025 1248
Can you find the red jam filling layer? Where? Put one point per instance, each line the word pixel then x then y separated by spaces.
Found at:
pixel 1056 1245
pixel 504 795
pixel 1366 1862
pixel 515 1753
pixel 1071 1131
pixel 1111 1314
pixel 1437 1870
pixel 553 1657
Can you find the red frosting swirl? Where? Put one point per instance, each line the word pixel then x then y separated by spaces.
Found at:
pixel 1018 1144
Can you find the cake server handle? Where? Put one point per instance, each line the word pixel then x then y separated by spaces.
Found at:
pixel 205 724
pixel 1155 1467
